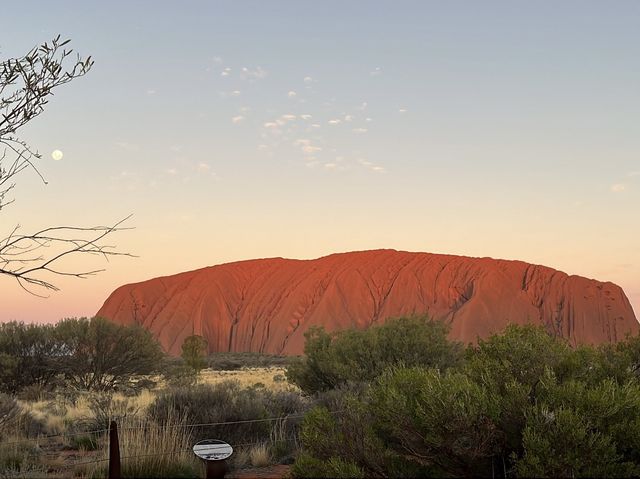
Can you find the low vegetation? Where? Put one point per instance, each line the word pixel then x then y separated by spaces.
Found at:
pixel 519 404
pixel 398 399
pixel 86 354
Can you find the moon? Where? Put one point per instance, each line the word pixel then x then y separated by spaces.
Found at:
pixel 57 155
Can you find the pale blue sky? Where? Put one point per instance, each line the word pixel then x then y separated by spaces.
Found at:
pixel 505 129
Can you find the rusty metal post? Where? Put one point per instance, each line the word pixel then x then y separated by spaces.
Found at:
pixel 216 469
pixel 114 452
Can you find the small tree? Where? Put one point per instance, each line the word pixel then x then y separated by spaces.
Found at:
pixel 101 355
pixel 29 355
pixel 194 351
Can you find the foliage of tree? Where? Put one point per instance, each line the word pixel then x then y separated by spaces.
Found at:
pixel 92 354
pixel 30 354
pixel 194 352
pixel 334 359
pixel 101 355
pixel 26 85
pixel 521 404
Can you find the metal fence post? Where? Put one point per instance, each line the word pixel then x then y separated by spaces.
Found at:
pixel 114 452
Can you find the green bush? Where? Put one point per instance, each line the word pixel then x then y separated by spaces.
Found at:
pixel 105 408
pixel 522 403
pixel 446 420
pixel 29 355
pixel 90 354
pixel 194 352
pixel 178 374
pixel 103 356
pixel 334 359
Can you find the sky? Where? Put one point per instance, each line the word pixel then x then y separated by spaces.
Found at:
pixel 235 130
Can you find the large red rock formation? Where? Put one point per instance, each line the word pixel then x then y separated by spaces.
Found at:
pixel 266 305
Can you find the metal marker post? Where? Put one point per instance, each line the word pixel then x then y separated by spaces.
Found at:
pixel 215 454
pixel 114 452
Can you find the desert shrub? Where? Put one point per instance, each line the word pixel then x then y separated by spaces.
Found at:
pixel 411 422
pixel 9 410
pixel 29 355
pixel 230 361
pixel 522 403
pixel 225 402
pixel 20 460
pixel 93 354
pixel 335 399
pixel 178 374
pixel 446 420
pixel 36 392
pixel 194 352
pixel 333 359
pixel 348 437
pixel 105 408
pixel 19 422
pixel 103 356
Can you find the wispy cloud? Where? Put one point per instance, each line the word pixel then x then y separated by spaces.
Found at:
pixel 306 146
pixel 235 93
pixel 634 173
pixel 376 72
pixel 371 166
pixel 237 119
pixel 308 80
pixel 618 187
pixel 402 110
pixel 257 73
pixel 335 121
pixel 292 94
pixel 225 72
pixel 359 130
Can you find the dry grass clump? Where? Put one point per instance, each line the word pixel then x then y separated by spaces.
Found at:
pixel 270 378
pixel 260 455
pixel 150 449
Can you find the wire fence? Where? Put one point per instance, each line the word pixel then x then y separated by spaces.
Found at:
pixel 157 426
pixel 70 465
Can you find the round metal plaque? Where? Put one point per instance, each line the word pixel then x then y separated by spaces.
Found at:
pixel 212 450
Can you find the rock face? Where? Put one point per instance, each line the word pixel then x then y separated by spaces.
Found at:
pixel 266 305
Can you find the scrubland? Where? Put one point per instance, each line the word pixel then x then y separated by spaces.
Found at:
pixel 63 433
pixel 396 400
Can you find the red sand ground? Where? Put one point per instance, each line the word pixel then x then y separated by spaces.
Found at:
pixel 266 305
